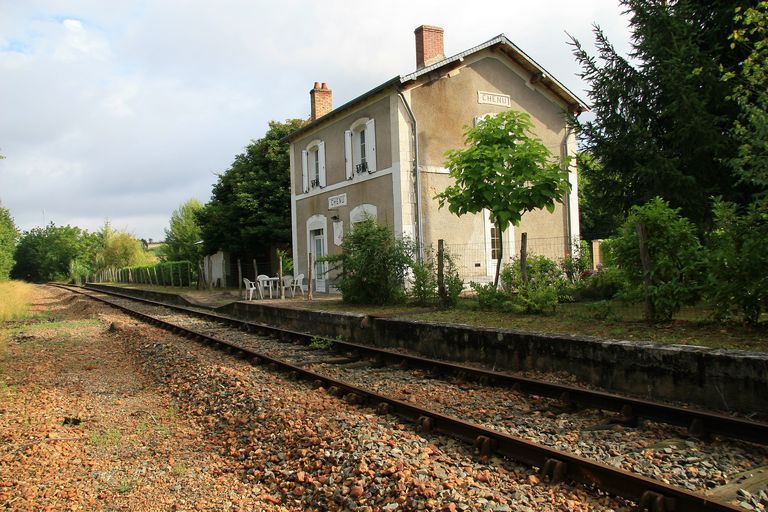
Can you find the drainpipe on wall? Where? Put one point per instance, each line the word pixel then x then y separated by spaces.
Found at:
pixel 415 132
pixel 567 202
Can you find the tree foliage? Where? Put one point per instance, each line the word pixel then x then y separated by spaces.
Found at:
pixel 250 203
pixel 662 115
pixel 750 93
pixel 737 261
pixel 182 235
pixel 8 236
pixel 505 169
pixel 56 253
pixel 45 254
pixel 119 249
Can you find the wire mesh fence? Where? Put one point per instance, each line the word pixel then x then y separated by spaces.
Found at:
pixel 477 261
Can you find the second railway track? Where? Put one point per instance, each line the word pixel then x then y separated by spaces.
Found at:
pixel 496 419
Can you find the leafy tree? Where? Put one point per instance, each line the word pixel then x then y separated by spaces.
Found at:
pixel 8 236
pixel 45 254
pixel 250 204
pixel 597 221
pixel 183 234
pixel 737 261
pixel 751 94
pixel 662 114
pixel 504 169
pixel 119 249
pixel 674 253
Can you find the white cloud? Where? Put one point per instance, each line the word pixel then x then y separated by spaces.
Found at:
pixel 78 43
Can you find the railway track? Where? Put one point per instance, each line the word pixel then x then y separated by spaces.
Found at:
pixel 555 465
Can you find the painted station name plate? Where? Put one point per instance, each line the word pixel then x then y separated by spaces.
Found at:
pixel 491 98
pixel 336 201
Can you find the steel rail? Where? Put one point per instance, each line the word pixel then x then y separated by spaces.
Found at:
pixel 698 422
pixel 555 465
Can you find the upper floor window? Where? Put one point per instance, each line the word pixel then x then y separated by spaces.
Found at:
pixel 360 148
pixel 313 166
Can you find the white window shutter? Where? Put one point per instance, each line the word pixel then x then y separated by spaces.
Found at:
pixel 304 170
pixel 370 143
pixel 321 156
pixel 348 154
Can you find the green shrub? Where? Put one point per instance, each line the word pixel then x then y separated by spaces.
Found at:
pixel 424 288
pixel 488 296
pixel 604 284
pixel 454 284
pixel 737 261
pixel 538 297
pixel 574 267
pixel 601 310
pixel 675 257
pixel 542 273
pixel 372 265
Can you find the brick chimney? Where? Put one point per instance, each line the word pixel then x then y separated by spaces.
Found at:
pixel 322 100
pixel 429 45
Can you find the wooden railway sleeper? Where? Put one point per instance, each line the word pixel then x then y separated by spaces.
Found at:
pixel 698 429
pixel 425 424
pixel 483 446
pixel 652 501
pixel 554 471
pixel 627 417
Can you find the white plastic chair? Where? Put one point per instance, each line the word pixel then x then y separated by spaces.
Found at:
pixel 288 285
pixel 250 287
pixel 298 282
pixel 264 283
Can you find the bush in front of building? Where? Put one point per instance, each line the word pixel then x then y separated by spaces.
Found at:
pixel 372 265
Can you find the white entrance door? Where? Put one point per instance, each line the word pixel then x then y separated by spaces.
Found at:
pixel 318 250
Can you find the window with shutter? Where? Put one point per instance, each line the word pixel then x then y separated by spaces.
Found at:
pixel 305 171
pixel 321 164
pixel 348 154
pixel 370 145
pixel 360 145
pixel 313 165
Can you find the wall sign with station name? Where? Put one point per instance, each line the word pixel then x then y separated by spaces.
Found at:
pixel 336 201
pixel 492 98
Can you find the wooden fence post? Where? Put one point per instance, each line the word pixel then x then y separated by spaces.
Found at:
pixel 524 257
pixel 441 293
pixel 280 277
pixel 645 259
pixel 309 281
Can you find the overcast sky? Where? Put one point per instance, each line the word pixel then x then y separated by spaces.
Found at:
pixel 122 111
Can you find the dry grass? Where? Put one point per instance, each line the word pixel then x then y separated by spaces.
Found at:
pixel 15 298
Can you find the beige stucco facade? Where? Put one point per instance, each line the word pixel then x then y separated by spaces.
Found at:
pixel 443 102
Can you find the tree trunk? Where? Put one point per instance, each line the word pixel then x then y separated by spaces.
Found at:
pixel 501 256
pixel 239 276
